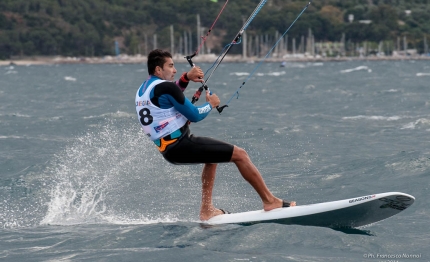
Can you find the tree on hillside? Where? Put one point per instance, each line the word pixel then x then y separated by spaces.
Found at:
pixel 85 28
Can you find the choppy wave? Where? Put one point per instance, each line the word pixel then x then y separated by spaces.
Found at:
pixel 70 78
pixel 117 114
pixel 420 164
pixel 11 137
pixel 240 73
pixel 420 122
pixel 10 70
pixel 259 74
pixel 383 118
pixel 359 68
pixel 16 115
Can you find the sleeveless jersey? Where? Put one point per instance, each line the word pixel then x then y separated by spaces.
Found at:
pixel 157 122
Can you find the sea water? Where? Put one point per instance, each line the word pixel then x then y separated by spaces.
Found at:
pixel 79 181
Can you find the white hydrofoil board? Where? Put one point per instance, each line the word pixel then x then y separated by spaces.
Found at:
pixel 347 213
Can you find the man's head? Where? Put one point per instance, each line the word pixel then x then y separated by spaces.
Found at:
pixel 160 63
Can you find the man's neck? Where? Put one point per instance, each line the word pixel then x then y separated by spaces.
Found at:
pixel 157 76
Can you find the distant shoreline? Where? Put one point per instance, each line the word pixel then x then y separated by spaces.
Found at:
pixel 138 59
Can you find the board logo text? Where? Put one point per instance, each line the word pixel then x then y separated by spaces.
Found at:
pixel 358 199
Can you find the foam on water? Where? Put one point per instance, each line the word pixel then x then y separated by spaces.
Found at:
pixel 275 73
pixel 418 123
pixel 359 68
pixel 382 118
pixel 70 78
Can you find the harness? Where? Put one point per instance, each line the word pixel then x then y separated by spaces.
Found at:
pixel 168 140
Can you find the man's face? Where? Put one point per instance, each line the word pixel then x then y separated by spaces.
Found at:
pixel 168 71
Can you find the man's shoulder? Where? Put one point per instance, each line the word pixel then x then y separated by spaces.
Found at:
pixel 169 88
pixel 166 87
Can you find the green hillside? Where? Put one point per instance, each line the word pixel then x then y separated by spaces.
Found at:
pixel 91 27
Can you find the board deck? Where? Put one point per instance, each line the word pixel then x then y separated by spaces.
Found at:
pixel 347 213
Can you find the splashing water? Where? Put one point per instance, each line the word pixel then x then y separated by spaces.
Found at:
pixel 101 177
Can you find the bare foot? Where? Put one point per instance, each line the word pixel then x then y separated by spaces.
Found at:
pixel 210 213
pixel 277 203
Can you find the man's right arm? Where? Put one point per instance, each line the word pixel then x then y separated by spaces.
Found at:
pixel 166 95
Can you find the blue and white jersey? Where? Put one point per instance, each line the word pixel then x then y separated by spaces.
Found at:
pixel 162 108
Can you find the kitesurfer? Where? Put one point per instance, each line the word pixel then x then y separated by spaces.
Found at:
pixel 165 113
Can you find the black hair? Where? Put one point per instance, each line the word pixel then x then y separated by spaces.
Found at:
pixel 156 58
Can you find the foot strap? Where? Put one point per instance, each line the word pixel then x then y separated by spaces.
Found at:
pixel 286 203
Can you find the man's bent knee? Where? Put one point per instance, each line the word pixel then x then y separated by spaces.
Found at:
pixel 239 154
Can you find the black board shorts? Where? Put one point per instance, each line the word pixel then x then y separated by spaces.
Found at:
pixel 190 149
